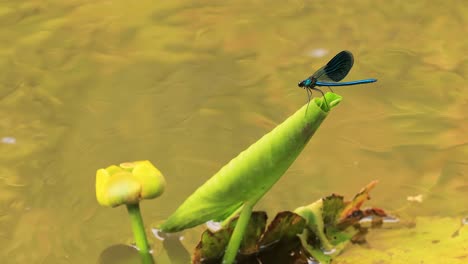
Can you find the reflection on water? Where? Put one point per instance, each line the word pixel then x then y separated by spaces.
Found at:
pixel 188 86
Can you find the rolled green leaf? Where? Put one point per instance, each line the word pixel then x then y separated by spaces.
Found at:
pixel 253 172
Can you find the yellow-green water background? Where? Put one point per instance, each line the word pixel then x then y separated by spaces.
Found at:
pixel 188 85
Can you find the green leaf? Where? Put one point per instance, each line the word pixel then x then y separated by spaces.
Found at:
pixel 253 233
pixel 429 240
pixel 254 171
pixel 333 223
pixel 280 242
pixel 212 245
pixel 284 227
pixel 332 206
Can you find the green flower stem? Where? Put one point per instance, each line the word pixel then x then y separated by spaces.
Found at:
pixel 238 234
pixel 139 233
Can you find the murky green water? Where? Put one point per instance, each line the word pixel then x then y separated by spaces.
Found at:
pixel 86 84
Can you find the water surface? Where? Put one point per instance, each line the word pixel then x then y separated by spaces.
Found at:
pixel 86 84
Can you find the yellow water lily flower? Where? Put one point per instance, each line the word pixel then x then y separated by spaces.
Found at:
pixel 128 183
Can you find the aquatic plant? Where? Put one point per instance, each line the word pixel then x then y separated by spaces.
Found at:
pixel 315 233
pixel 238 186
pixel 127 184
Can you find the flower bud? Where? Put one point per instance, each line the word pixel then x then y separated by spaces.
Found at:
pixel 128 183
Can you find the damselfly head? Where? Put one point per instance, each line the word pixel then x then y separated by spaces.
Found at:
pixel 305 83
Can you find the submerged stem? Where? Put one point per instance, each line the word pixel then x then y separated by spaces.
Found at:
pixel 238 234
pixel 139 233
